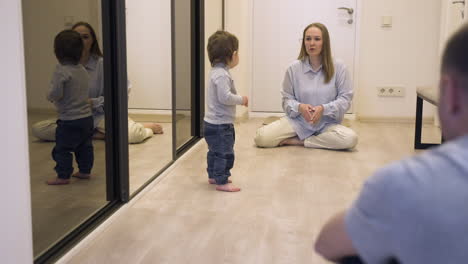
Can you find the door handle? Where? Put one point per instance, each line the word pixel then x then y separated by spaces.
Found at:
pixel 348 9
pixel 461 11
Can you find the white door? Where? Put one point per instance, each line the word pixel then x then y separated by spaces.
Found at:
pixel 277 34
pixel 455 15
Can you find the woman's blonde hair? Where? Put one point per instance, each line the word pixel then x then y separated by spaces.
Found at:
pixel 327 61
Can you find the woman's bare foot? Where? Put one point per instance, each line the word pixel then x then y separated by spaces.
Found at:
pixel 58 181
pixel 293 141
pixel 98 135
pixel 213 181
pixel 82 176
pixel 228 187
pixel 157 128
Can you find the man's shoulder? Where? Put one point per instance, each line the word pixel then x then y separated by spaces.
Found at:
pixel 429 168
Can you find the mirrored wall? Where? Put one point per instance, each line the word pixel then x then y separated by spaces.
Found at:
pixel 59 209
pixel 157 45
pixel 150 89
pixel 185 79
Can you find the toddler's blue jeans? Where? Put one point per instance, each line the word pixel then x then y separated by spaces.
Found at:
pixel 220 157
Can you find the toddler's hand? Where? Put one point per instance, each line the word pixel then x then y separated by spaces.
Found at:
pixel 245 101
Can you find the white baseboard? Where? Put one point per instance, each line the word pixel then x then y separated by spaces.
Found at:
pixel 242 117
pixel 350 117
pixel 265 114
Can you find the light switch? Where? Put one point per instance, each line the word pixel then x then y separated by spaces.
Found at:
pixel 386 21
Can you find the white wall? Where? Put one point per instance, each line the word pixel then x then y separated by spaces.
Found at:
pixel 15 223
pixel 238 21
pixel 405 55
pixel 42 21
pixel 451 19
pixel 213 22
pixel 149 53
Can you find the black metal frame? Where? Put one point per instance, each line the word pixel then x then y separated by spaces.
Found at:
pixel 418 126
pixel 223 14
pixel 197 8
pixel 116 94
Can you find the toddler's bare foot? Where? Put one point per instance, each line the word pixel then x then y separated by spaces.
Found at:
pixel 58 181
pixel 212 181
pixel 83 176
pixel 157 129
pixel 228 187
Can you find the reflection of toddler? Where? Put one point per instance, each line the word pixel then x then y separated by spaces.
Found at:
pixel 219 118
pixel 69 92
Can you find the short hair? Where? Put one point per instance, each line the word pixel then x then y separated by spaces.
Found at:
pixel 327 60
pixel 455 56
pixel 221 46
pixel 68 46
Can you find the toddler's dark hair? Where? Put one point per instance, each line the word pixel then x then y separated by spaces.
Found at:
pixel 221 46
pixel 68 47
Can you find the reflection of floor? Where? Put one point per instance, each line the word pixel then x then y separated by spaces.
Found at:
pixel 184 129
pixel 288 193
pixel 58 209
pixel 147 158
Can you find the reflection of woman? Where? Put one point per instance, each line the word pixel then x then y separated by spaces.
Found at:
pixel 93 63
pixel 316 92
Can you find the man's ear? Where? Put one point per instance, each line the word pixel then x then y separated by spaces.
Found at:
pixel 451 94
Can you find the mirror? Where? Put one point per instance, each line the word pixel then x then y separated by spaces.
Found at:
pixel 150 98
pixel 58 209
pixel 183 67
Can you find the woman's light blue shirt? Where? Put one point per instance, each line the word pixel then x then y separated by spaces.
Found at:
pixel 303 85
pixel 95 69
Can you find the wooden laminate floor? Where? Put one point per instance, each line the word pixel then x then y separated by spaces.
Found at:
pixel 287 195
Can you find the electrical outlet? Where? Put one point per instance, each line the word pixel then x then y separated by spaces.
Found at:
pixel 391 91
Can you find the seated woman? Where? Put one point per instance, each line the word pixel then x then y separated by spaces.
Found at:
pixel 93 63
pixel 317 92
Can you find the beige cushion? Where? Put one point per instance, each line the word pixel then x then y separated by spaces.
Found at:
pixel 429 94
